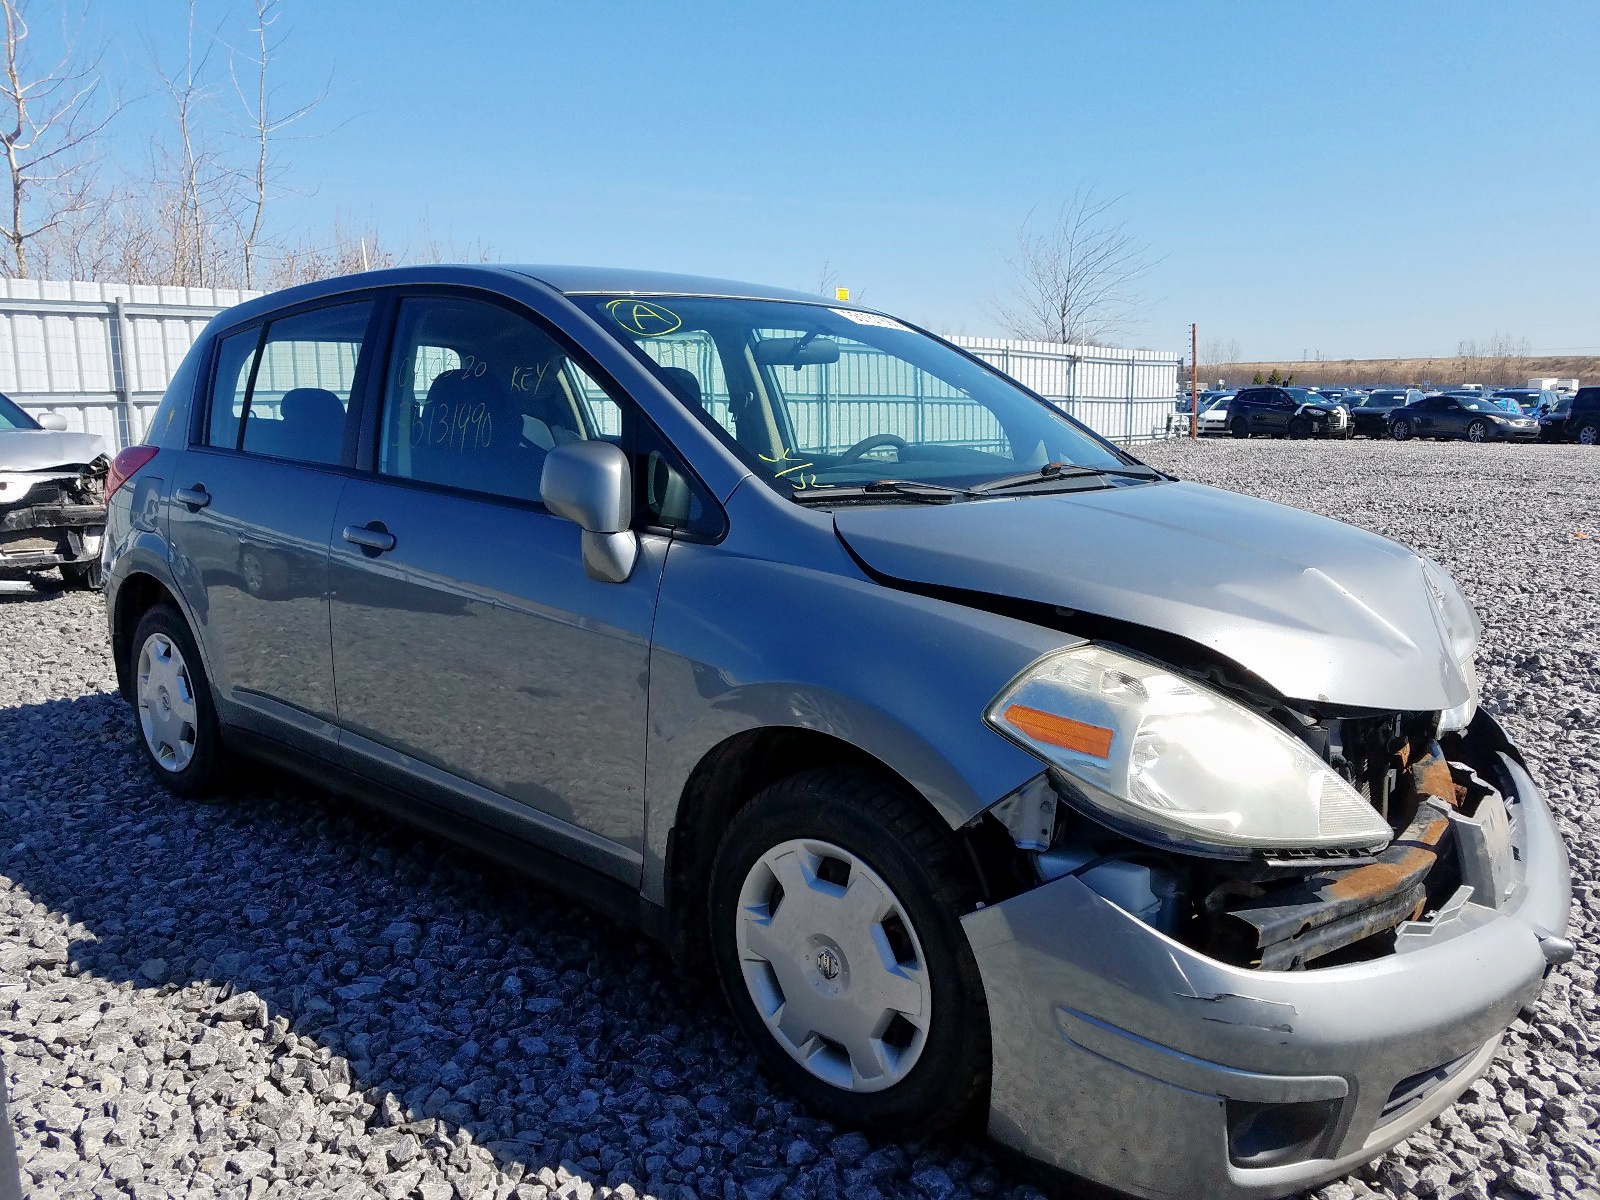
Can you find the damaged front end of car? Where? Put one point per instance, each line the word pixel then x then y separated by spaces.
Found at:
pixel 53 517
pixel 1272 937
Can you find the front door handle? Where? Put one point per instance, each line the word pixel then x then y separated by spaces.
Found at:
pixel 194 497
pixel 371 536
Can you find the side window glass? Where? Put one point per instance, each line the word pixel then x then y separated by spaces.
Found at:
pixel 665 494
pixel 236 362
pixel 289 396
pixel 477 395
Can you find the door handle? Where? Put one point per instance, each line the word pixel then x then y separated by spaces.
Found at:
pixel 194 497
pixel 372 536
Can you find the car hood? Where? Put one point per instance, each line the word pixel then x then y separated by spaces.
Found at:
pixel 1322 611
pixel 44 449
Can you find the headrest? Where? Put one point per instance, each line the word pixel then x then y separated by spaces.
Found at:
pixel 682 384
pixel 307 404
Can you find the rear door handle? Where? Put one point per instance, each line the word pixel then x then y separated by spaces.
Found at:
pixel 194 497
pixel 372 536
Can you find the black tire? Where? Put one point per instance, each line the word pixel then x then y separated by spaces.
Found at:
pixel 920 862
pixel 1478 431
pixel 202 774
pixel 85 576
pixel 1400 429
pixel 1587 434
pixel 1299 428
pixel 1239 427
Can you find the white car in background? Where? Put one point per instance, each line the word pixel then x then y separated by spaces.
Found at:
pixel 1215 418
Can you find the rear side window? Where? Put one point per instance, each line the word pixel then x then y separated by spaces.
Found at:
pixel 284 391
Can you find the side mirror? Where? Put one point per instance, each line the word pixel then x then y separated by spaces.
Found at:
pixel 52 421
pixel 591 484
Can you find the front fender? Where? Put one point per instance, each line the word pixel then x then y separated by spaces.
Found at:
pixel 744 643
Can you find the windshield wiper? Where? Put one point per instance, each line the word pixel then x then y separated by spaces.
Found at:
pixel 1054 471
pixel 911 489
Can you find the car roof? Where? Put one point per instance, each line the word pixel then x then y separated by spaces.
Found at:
pixel 577 281
pixel 572 281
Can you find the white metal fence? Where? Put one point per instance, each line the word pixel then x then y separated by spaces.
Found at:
pixel 100 354
pixel 1124 395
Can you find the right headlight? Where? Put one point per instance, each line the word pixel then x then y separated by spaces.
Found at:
pixel 1154 748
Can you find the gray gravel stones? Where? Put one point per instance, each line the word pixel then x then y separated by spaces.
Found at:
pixel 282 995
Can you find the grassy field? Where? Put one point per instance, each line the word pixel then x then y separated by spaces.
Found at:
pixel 1434 372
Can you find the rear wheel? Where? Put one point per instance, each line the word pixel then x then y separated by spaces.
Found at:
pixel 834 922
pixel 1478 431
pixel 1588 434
pixel 172 704
pixel 1400 429
pixel 1239 427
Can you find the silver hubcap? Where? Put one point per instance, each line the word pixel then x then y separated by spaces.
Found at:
pixel 167 714
pixel 1588 435
pixel 1402 430
pixel 833 965
pixel 1475 433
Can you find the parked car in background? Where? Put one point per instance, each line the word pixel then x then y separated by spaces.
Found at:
pixel 1531 401
pixel 605 597
pixel 1573 419
pixel 1369 415
pixel 1214 419
pixel 1206 399
pixel 1469 417
pixel 52 497
pixel 1286 412
pixel 1342 395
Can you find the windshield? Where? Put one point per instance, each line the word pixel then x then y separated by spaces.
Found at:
pixel 1380 400
pixel 12 417
pixel 812 397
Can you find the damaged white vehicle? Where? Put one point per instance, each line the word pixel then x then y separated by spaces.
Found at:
pixel 52 498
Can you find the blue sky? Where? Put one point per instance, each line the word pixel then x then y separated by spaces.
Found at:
pixel 1350 178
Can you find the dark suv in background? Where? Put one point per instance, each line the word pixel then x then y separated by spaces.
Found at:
pixel 1292 411
pixel 1574 419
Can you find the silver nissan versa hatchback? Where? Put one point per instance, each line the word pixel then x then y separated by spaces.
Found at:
pixel 995 783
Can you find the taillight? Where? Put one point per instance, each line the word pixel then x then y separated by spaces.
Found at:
pixel 124 465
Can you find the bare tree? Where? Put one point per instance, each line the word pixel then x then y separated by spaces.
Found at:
pixel 349 252
pixel 266 120
pixel 1076 274
pixel 1218 352
pixel 51 119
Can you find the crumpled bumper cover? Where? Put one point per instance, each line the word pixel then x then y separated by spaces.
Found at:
pixel 1123 1056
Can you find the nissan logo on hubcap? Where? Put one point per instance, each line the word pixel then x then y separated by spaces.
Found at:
pixel 828 964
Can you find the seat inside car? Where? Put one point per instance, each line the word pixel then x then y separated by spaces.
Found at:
pixel 473 438
pixel 310 428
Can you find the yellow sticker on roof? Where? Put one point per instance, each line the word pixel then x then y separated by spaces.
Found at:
pixel 644 317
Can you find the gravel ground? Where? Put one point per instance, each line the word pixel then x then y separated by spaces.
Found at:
pixel 278 996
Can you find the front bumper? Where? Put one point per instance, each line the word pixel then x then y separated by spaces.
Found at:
pixel 1125 1057
pixel 40 536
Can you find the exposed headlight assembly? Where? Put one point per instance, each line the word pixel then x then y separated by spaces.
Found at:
pixel 1153 748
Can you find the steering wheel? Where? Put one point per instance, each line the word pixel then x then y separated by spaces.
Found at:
pixel 872 443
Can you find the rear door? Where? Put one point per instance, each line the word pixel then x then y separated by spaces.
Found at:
pixel 477 664
pixel 255 495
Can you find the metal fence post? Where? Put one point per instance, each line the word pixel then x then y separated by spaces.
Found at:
pixel 1127 436
pixel 127 419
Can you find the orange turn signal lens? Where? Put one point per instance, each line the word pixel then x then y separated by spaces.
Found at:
pixel 1093 740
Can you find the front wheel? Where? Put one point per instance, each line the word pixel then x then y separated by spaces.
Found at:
pixel 1478 431
pixel 173 706
pixel 1401 430
pixel 835 928
pixel 1299 428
